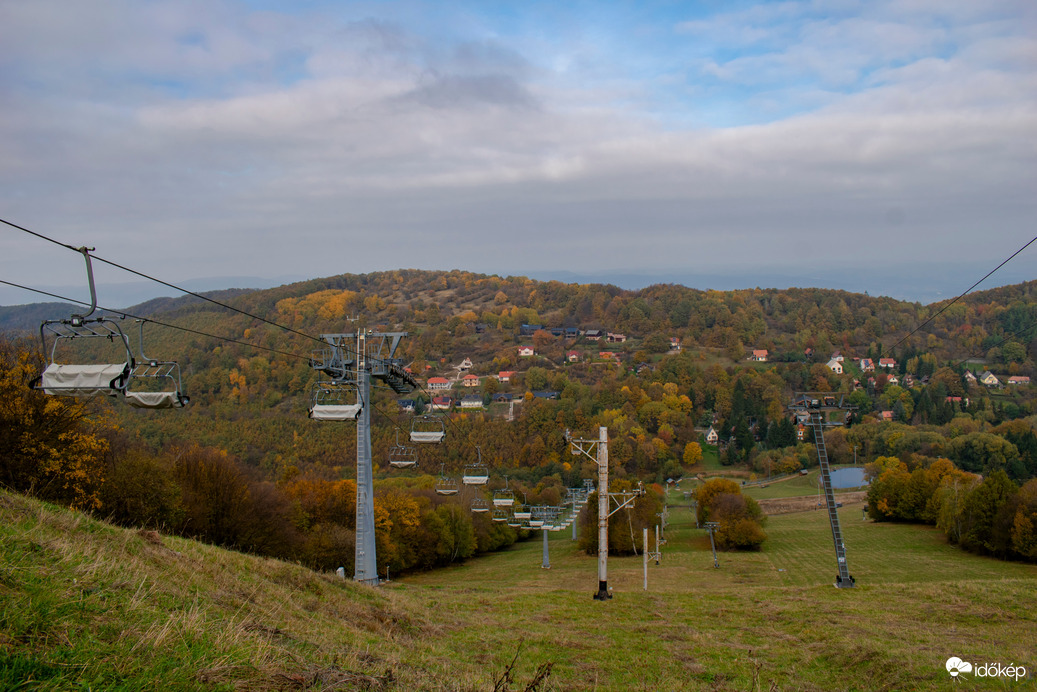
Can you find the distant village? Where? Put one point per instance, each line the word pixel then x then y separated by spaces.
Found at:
pixel 462 390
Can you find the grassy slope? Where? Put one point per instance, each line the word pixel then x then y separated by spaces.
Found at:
pixel 81 602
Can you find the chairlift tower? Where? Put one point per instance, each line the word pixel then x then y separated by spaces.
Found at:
pixel 601 458
pixel 355 359
pixel 818 405
pixel 712 526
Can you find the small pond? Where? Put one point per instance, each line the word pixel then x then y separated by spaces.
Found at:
pixel 848 478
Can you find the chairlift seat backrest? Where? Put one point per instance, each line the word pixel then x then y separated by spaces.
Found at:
pixel 428 436
pixel 335 412
pixel 475 476
pixel 98 379
pixel 155 400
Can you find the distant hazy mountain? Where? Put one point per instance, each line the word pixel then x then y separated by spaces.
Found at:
pixel 123 295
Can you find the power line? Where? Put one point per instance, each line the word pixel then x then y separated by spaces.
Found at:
pixel 967 290
pixel 158 322
pixel 164 283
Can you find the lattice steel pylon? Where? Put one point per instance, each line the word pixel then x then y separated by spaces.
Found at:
pixel 817 405
pixel 356 358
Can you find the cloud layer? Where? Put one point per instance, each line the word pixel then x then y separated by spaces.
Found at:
pixel 214 138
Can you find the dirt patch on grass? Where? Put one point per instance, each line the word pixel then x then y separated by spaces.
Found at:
pixel 806 503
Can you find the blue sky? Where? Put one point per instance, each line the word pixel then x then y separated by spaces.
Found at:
pixel 196 139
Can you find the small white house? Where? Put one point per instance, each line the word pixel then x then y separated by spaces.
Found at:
pixel 711 436
pixel 835 366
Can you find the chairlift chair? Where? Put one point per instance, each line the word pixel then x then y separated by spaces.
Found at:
pixel 500 515
pixel 335 401
pixel 445 485
pixel 480 505
pixel 427 429
pixel 86 379
pixel 504 497
pixel 477 473
pixel 523 514
pixel 514 522
pixel 155 384
pixel 401 456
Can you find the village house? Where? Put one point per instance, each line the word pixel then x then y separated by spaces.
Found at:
pixel 441 403
pixel 970 378
pixel 573 356
pixel 867 365
pixel 504 376
pixel 526 351
pixel 988 379
pixel 886 416
pixel 836 355
pixel 470 402
pixel 470 380
pixel 887 363
pixel 616 338
pixel 892 379
pixel 592 334
pixel 759 355
pixel 835 366
pixel 1019 379
pixel 466 364
pixel 711 436
pixel 438 383
pixel 675 344
pixel 406 405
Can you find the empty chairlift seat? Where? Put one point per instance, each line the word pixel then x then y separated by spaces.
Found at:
pixel 104 347
pixel 156 385
pixel 100 379
pixel 335 401
pixel 401 456
pixel 476 474
pixel 503 498
pixel 427 430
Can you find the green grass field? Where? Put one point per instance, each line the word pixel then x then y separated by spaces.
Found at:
pixel 87 606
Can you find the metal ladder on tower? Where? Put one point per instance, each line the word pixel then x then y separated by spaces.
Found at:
pixel 843 580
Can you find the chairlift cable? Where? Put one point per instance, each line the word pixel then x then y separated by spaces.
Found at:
pixel 963 294
pixel 164 283
pixel 158 322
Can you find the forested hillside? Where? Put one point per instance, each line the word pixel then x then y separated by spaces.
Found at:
pixel 671 364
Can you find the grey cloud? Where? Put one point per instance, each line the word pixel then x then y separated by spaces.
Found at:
pixel 455 91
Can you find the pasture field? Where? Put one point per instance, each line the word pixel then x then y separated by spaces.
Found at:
pixel 87 606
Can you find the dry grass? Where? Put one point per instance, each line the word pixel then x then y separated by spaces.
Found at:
pixel 83 604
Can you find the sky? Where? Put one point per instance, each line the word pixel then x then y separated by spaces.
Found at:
pixel 843 143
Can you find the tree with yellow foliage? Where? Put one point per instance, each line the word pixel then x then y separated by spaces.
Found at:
pixel 51 447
